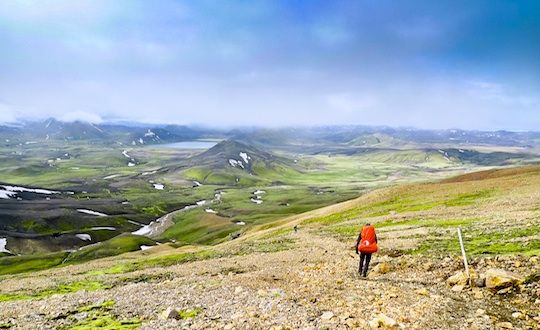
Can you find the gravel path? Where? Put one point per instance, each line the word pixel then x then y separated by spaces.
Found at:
pixel 310 286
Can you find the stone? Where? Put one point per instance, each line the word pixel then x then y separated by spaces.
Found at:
pixel 238 290
pixel 382 321
pixel 327 315
pixel 478 294
pixel 505 325
pixel 423 292
pixel 428 266
pixel 517 315
pixel 459 278
pixel 500 278
pixel 170 314
pixel 458 288
pixel 480 312
pixel 480 282
pixel 505 290
pixel 382 268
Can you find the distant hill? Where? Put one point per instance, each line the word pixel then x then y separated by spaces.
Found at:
pixel 233 162
pixel 297 139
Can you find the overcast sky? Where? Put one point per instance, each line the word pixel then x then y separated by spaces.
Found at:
pixel 430 64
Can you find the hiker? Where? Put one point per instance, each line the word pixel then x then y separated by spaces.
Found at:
pixel 366 244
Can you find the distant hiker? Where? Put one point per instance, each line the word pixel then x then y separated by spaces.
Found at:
pixel 366 244
pixel 295 228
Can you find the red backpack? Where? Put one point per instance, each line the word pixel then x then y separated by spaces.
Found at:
pixel 368 242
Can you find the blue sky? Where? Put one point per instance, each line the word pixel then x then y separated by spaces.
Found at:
pixel 430 64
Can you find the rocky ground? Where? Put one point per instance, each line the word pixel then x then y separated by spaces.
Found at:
pixel 312 284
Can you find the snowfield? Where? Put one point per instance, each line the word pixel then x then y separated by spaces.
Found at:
pixel 234 163
pixel 3 243
pixel 36 191
pixel 245 157
pixel 112 176
pixel 103 228
pixel 84 237
pixel 90 212
pixel 4 194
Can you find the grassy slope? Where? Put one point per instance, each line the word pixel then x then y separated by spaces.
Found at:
pixel 497 210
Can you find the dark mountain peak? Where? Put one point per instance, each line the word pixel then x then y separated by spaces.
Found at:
pixel 231 153
pixel 233 149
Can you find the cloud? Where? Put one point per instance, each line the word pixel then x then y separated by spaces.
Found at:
pixel 272 62
pixel 350 102
pixel 81 116
pixel 7 113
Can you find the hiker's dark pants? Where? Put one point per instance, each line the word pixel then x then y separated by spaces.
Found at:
pixel 365 258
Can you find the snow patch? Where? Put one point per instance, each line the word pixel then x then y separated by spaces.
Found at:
pixel 234 163
pixel 197 184
pixel 130 164
pixel 112 176
pixel 103 228
pixel 201 203
pixel 256 201
pixel 4 194
pixel 135 223
pixel 159 186
pixel 258 192
pixel 146 247
pixel 240 223
pixel 245 157
pixel 36 191
pixel 125 153
pixel 149 134
pixel 3 243
pixel 210 211
pixel 84 237
pixel 148 173
pixel 90 212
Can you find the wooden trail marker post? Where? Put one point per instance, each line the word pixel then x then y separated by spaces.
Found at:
pixel 463 252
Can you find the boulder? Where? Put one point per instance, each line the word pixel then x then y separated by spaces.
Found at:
pixel 170 313
pixel 327 315
pixel 422 292
pixel 500 279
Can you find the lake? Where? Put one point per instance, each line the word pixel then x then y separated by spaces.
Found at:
pixel 196 144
